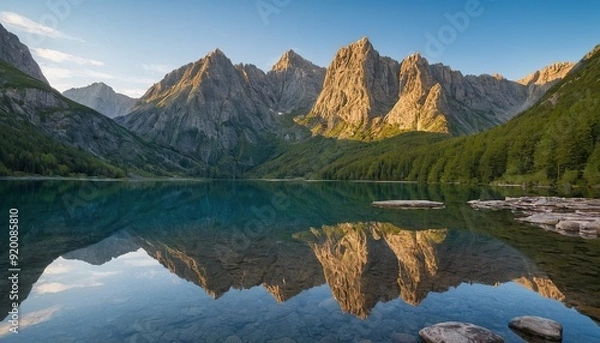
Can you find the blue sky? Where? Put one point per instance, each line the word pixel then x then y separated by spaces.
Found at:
pixel 131 44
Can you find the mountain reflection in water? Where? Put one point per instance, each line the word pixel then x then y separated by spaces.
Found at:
pixel 326 264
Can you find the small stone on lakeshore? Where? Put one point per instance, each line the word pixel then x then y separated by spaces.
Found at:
pixel 457 332
pixel 537 327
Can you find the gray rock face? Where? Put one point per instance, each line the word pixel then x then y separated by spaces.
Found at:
pixel 366 96
pixel 539 82
pixel 17 54
pixel 296 83
pixel 216 110
pixel 208 108
pixel 80 127
pixel 102 98
pixel 530 327
pixel 456 332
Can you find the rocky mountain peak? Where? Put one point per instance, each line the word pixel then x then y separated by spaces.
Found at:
pixel 362 44
pixel 498 76
pixel 414 58
pixel 553 72
pixel 359 86
pixel 358 51
pixel 592 53
pixel 413 61
pixel 102 98
pixel 291 59
pixel 17 54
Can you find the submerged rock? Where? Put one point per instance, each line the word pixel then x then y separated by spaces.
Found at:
pixel 409 204
pixel 457 332
pixel 530 328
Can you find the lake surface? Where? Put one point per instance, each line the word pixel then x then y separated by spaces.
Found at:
pixel 282 262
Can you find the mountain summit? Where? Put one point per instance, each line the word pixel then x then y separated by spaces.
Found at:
pixel 17 54
pixel 296 83
pixel 360 85
pixel 209 108
pixel 101 98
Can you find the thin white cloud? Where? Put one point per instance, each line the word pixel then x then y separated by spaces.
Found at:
pixel 53 287
pixel 158 68
pixel 55 269
pixel 57 287
pixel 96 74
pixel 58 73
pixel 30 319
pixel 61 57
pixel 101 275
pixel 20 23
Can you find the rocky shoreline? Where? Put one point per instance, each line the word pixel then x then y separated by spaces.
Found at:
pixel 567 216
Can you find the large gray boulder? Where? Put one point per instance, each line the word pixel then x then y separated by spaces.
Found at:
pixel 457 332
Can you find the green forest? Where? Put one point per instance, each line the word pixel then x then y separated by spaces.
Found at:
pixel 42 155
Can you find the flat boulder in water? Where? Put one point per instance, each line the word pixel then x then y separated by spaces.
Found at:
pixel 537 327
pixel 457 332
pixel 409 204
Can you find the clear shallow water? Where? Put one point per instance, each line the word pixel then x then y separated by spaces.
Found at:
pixel 262 261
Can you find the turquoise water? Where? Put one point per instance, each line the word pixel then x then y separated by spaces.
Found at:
pixel 282 262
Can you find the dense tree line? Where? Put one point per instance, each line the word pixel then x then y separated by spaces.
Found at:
pixel 24 151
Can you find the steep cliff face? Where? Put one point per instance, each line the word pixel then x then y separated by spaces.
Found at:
pixel 15 53
pixel 539 82
pixel 209 108
pixel 366 96
pixel 296 83
pixel 102 98
pixel 422 104
pixel 359 86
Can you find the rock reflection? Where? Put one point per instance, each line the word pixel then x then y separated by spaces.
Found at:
pixel 364 263
pixel 195 253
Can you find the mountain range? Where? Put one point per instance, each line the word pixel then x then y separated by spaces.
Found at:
pixel 45 133
pixel 368 96
pixel 214 118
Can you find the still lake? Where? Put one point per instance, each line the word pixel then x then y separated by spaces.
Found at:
pixel 227 261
